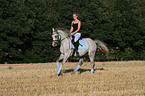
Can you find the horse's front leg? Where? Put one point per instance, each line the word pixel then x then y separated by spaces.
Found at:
pixel 65 57
pixel 57 62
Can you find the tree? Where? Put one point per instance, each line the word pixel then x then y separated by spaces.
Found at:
pixel 15 29
pixel 26 27
pixel 25 33
pixel 118 23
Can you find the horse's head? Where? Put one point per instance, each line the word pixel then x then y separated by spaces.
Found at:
pixel 59 34
pixel 55 37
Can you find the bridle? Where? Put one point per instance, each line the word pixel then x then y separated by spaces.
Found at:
pixel 57 39
pixel 63 38
pixel 56 33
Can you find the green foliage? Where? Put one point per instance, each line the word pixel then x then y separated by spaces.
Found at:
pixel 25 33
pixel 119 23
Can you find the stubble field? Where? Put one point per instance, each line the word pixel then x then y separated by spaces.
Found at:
pixel 126 78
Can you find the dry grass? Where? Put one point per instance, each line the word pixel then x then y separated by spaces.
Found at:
pixel 109 79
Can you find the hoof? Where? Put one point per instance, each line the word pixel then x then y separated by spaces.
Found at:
pixel 59 71
pixel 73 72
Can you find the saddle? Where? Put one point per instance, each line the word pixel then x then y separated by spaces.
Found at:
pixel 81 42
pixel 73 37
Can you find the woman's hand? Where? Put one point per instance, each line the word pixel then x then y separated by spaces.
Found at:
pixel 71 33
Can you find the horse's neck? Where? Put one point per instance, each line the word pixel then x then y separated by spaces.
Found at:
pixel 65 38
pixel 63 35
pixel 65 41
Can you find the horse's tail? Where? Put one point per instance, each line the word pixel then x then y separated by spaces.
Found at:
pixel 103 46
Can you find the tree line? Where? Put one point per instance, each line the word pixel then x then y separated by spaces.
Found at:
pixel 26 27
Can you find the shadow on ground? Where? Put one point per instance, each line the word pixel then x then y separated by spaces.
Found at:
pixel 81 70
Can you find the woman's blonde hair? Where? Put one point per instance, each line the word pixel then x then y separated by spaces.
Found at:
pixel 76 14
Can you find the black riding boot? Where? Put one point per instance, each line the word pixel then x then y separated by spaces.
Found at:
pixel 76 45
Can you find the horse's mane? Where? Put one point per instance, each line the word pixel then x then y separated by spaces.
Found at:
pixel 64 30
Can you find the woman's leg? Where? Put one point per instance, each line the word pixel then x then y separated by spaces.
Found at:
pixel 77 37
pixel 76 42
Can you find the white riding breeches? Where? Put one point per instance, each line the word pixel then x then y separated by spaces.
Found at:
pixel 77 36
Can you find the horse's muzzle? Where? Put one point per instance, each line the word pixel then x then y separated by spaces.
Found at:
pixel 54 43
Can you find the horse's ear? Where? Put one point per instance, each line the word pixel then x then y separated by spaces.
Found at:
pixel 56 29
pixel 53 29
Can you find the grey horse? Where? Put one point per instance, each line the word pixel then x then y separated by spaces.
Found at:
pixel 66 50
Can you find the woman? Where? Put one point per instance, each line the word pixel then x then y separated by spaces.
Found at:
pixel 74 31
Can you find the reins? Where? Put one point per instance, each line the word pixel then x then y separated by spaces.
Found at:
pixel 64 38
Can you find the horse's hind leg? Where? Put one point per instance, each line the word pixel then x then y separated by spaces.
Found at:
pixel 80 63
pixel 91 56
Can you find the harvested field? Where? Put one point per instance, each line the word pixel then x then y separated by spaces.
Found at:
pixel 126 78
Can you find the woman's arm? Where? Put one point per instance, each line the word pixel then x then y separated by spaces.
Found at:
pixel 71 27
